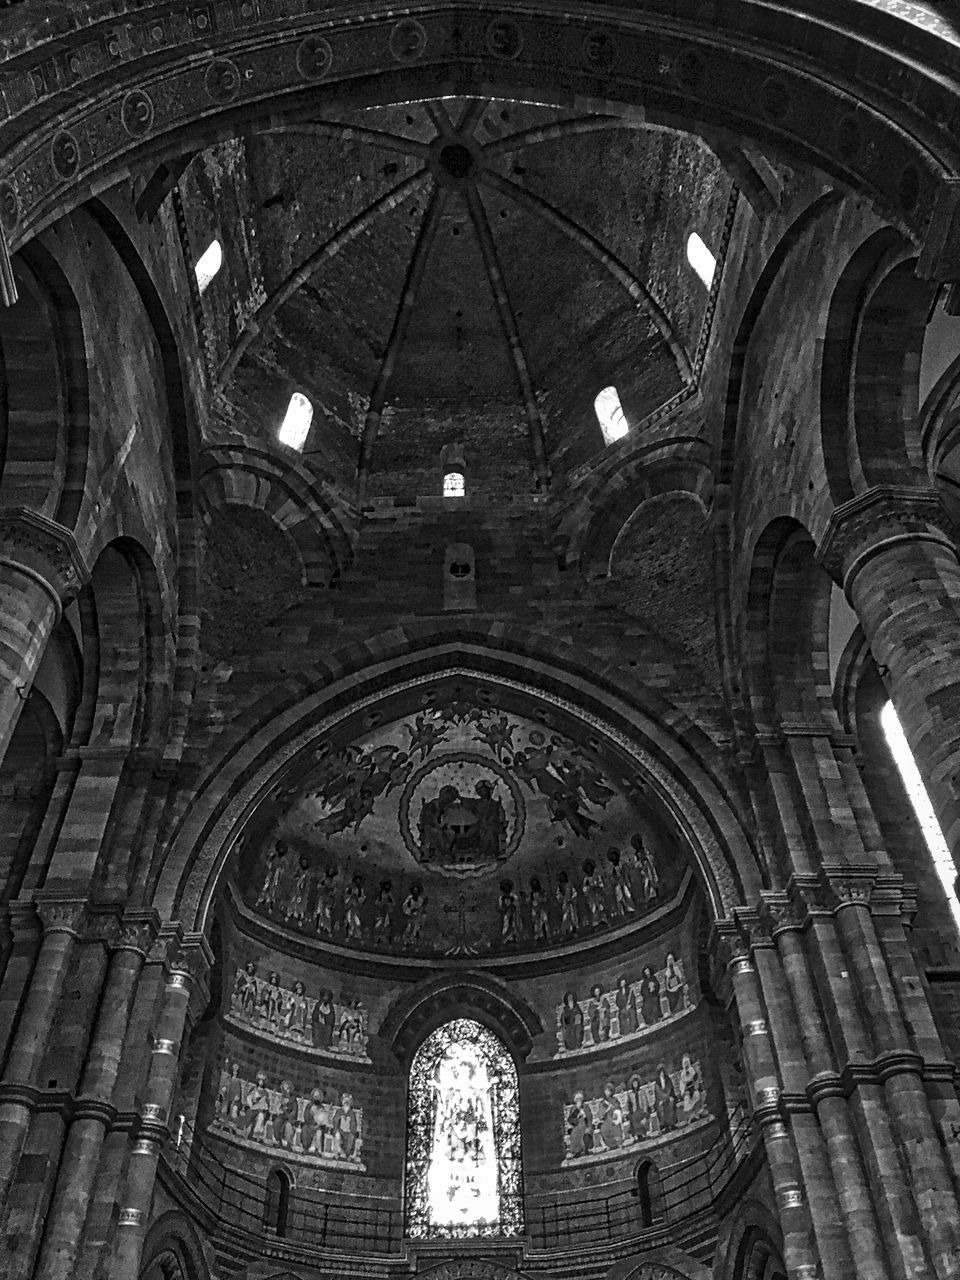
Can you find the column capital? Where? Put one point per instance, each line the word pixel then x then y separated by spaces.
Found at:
pixel 881 517
pixel 61 913
pixel 137 932
pixel 43 549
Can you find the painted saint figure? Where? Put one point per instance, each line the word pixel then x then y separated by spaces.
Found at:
pixel 383 920
pixel 650 996
pixel 322 1021
pixel 599 1014
pixel 673 982
pixel 571 1022
pixel 414 907
pixel 539 923
pixel 270 889
pixel 626 999
pixel 611 1118
pixel 353 899
pixel 594 894
pixel 623 902
pixel 665 1100
pixel 580 1128
pixel 509 914
pixel 569 913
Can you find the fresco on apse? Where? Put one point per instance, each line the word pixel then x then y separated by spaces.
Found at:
pixel 324 1128
pixel 458 829
pixel 640 1002
pixel 635 1113
pixel 289 1015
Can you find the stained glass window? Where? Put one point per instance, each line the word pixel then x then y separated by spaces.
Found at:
pixel 463 1136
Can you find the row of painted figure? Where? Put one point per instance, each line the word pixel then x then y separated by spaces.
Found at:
pixel 325 1125
pixel 337 905
pixel 629 1009
pixel 638 1111
pixel 290 1014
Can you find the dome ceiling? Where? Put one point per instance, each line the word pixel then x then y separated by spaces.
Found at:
pixel 459 828
pixel 463 269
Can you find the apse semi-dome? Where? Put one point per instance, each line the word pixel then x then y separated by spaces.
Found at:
pixel 461 828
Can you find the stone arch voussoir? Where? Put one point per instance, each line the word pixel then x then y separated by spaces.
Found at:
pixel 320 525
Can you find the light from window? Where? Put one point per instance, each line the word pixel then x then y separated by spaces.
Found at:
pixel 454 485
pixel 610 415
pixel 942 861
pixel 463 1138
pixel 296 424
pixel 701 259
pixel 208 264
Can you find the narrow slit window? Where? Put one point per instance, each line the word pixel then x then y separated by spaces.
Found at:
pixel 701 259
pixel 454 484
pixel 610 415
pixel 296 423
pixel 914 785
pixel 208 264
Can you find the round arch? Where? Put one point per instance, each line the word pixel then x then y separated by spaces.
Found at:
pixel 782 79
pixel 321 528
pixel 673 757
pixel 173 1248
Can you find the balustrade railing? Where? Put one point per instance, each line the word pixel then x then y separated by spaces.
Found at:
pixel 321 1220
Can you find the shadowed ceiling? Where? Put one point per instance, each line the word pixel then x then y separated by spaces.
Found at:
pixel 462 269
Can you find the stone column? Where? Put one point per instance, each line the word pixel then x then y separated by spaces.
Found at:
pixel 825 1090
pixel 799 1248
pixel 62 922
pixel 186 978
pixel 40 569
pixel 892 550
pixel 899 1070
pixel 93 1112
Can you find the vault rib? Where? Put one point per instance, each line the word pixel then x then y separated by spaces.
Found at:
pixel 637 290
pixel 339 240
pixel 351 132
pixel 401 322
pixel 511 334
pixel 562 129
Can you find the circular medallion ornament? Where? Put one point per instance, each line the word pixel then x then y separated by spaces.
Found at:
pixel 504 39
pixel 461 813
pixel 9 207
pixel 137 113
pixel 849 141
pixel 408 41
pixel 774 98
pixel 690 68
pixel 599 50
pixel 222 80
pixel 65 154
pixel 314 58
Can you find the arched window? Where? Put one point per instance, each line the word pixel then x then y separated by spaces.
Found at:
pixel 610 415
pixel 701 259
pixel 463 1136
pixel 454 484
pixel 912 781
pixel 296 422
pixel 276 1204
pixel 649 1193
pixel 208 264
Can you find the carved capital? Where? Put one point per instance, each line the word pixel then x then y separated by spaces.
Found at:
pixel 883 517
pixel 61 914
pixel 782 912
pixel 849 885
pixel 137 932
pixel 45 551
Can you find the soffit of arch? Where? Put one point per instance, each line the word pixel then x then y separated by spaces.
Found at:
pixel 888 129
pixel 689 795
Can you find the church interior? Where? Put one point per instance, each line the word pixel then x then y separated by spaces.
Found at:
pixel 479 640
